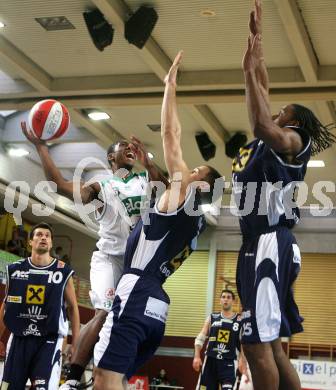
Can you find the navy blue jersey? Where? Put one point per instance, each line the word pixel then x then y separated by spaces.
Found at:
pixel 224 336
pixel 264 186
pixel 159 247
pixel 34 304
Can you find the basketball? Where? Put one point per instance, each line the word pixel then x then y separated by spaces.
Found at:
pixel 49 119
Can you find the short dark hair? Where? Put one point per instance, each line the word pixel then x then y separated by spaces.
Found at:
pixel 210 178
pixel 226 290
pixel 41 225
pixel 112 147
pixel 321 137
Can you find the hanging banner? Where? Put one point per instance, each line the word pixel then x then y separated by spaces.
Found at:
pixel 315 374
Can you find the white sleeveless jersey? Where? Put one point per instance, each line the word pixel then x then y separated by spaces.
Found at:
pixel 123 199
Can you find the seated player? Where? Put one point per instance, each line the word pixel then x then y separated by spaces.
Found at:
pixel 134 328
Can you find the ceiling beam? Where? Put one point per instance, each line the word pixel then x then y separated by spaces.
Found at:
pixel 40 80
pixel 194 80
pixel 117 12
pixel 309 94
pixel 24 66
pixel 326 111
pixel 295 28
pixel 104 133
pixel 285 77
pixel 206 118
pixel 298 36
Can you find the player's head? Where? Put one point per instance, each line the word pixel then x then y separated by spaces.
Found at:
pixel 121 155
pixel 208 175
pixel 40 238
pixel 301 116
pixel 226 299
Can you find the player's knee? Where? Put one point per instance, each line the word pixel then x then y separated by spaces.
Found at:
pixel 278 352
pixel 255 357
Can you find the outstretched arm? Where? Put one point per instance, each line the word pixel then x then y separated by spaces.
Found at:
pixel 53 174
pixel 255 25
pixel 170 124
pixel 282 140
pixel 171 140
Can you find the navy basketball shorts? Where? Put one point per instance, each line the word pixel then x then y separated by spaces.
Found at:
pixel 135 326
pixel 216 372
pixel 35 358
pixel 267 268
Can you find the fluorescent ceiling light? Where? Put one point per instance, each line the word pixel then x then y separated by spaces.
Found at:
pixel 98 115
pixel 316 164
pixel 150 155
pixel 2 25
pixel 17 152
pixel 55 23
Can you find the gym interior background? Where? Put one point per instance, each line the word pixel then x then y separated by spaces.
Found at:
pixel 41 58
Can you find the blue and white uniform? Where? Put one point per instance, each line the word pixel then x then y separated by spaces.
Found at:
pixel 134 328
pixel 123 199
pixel 36 317
pixel 219 364
pixel 269 260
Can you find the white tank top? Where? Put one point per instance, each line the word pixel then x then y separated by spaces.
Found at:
pixel 123 199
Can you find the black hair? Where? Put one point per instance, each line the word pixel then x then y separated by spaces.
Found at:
pixel 41 225
pixel 210 178
pixel 226 290
pixel 321 136
pixel 111 148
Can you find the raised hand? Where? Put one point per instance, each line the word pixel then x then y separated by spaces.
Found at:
pixel 140 151
pixel 31 136
pixel 172 73
pixel 254 53
pixel 255 22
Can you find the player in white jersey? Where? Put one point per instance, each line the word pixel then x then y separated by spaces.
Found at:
pixel 121 196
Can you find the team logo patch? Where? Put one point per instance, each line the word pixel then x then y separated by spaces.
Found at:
pixel 109 293
pixel 241 160
pixel 14 299
pixel 32 330
pixel 35 294
pixel 60 264
pixel 223 336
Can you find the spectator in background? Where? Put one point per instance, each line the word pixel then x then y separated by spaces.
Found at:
pixel 161 379
pixel 58 254
pixel 16 245
pixel 66 259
